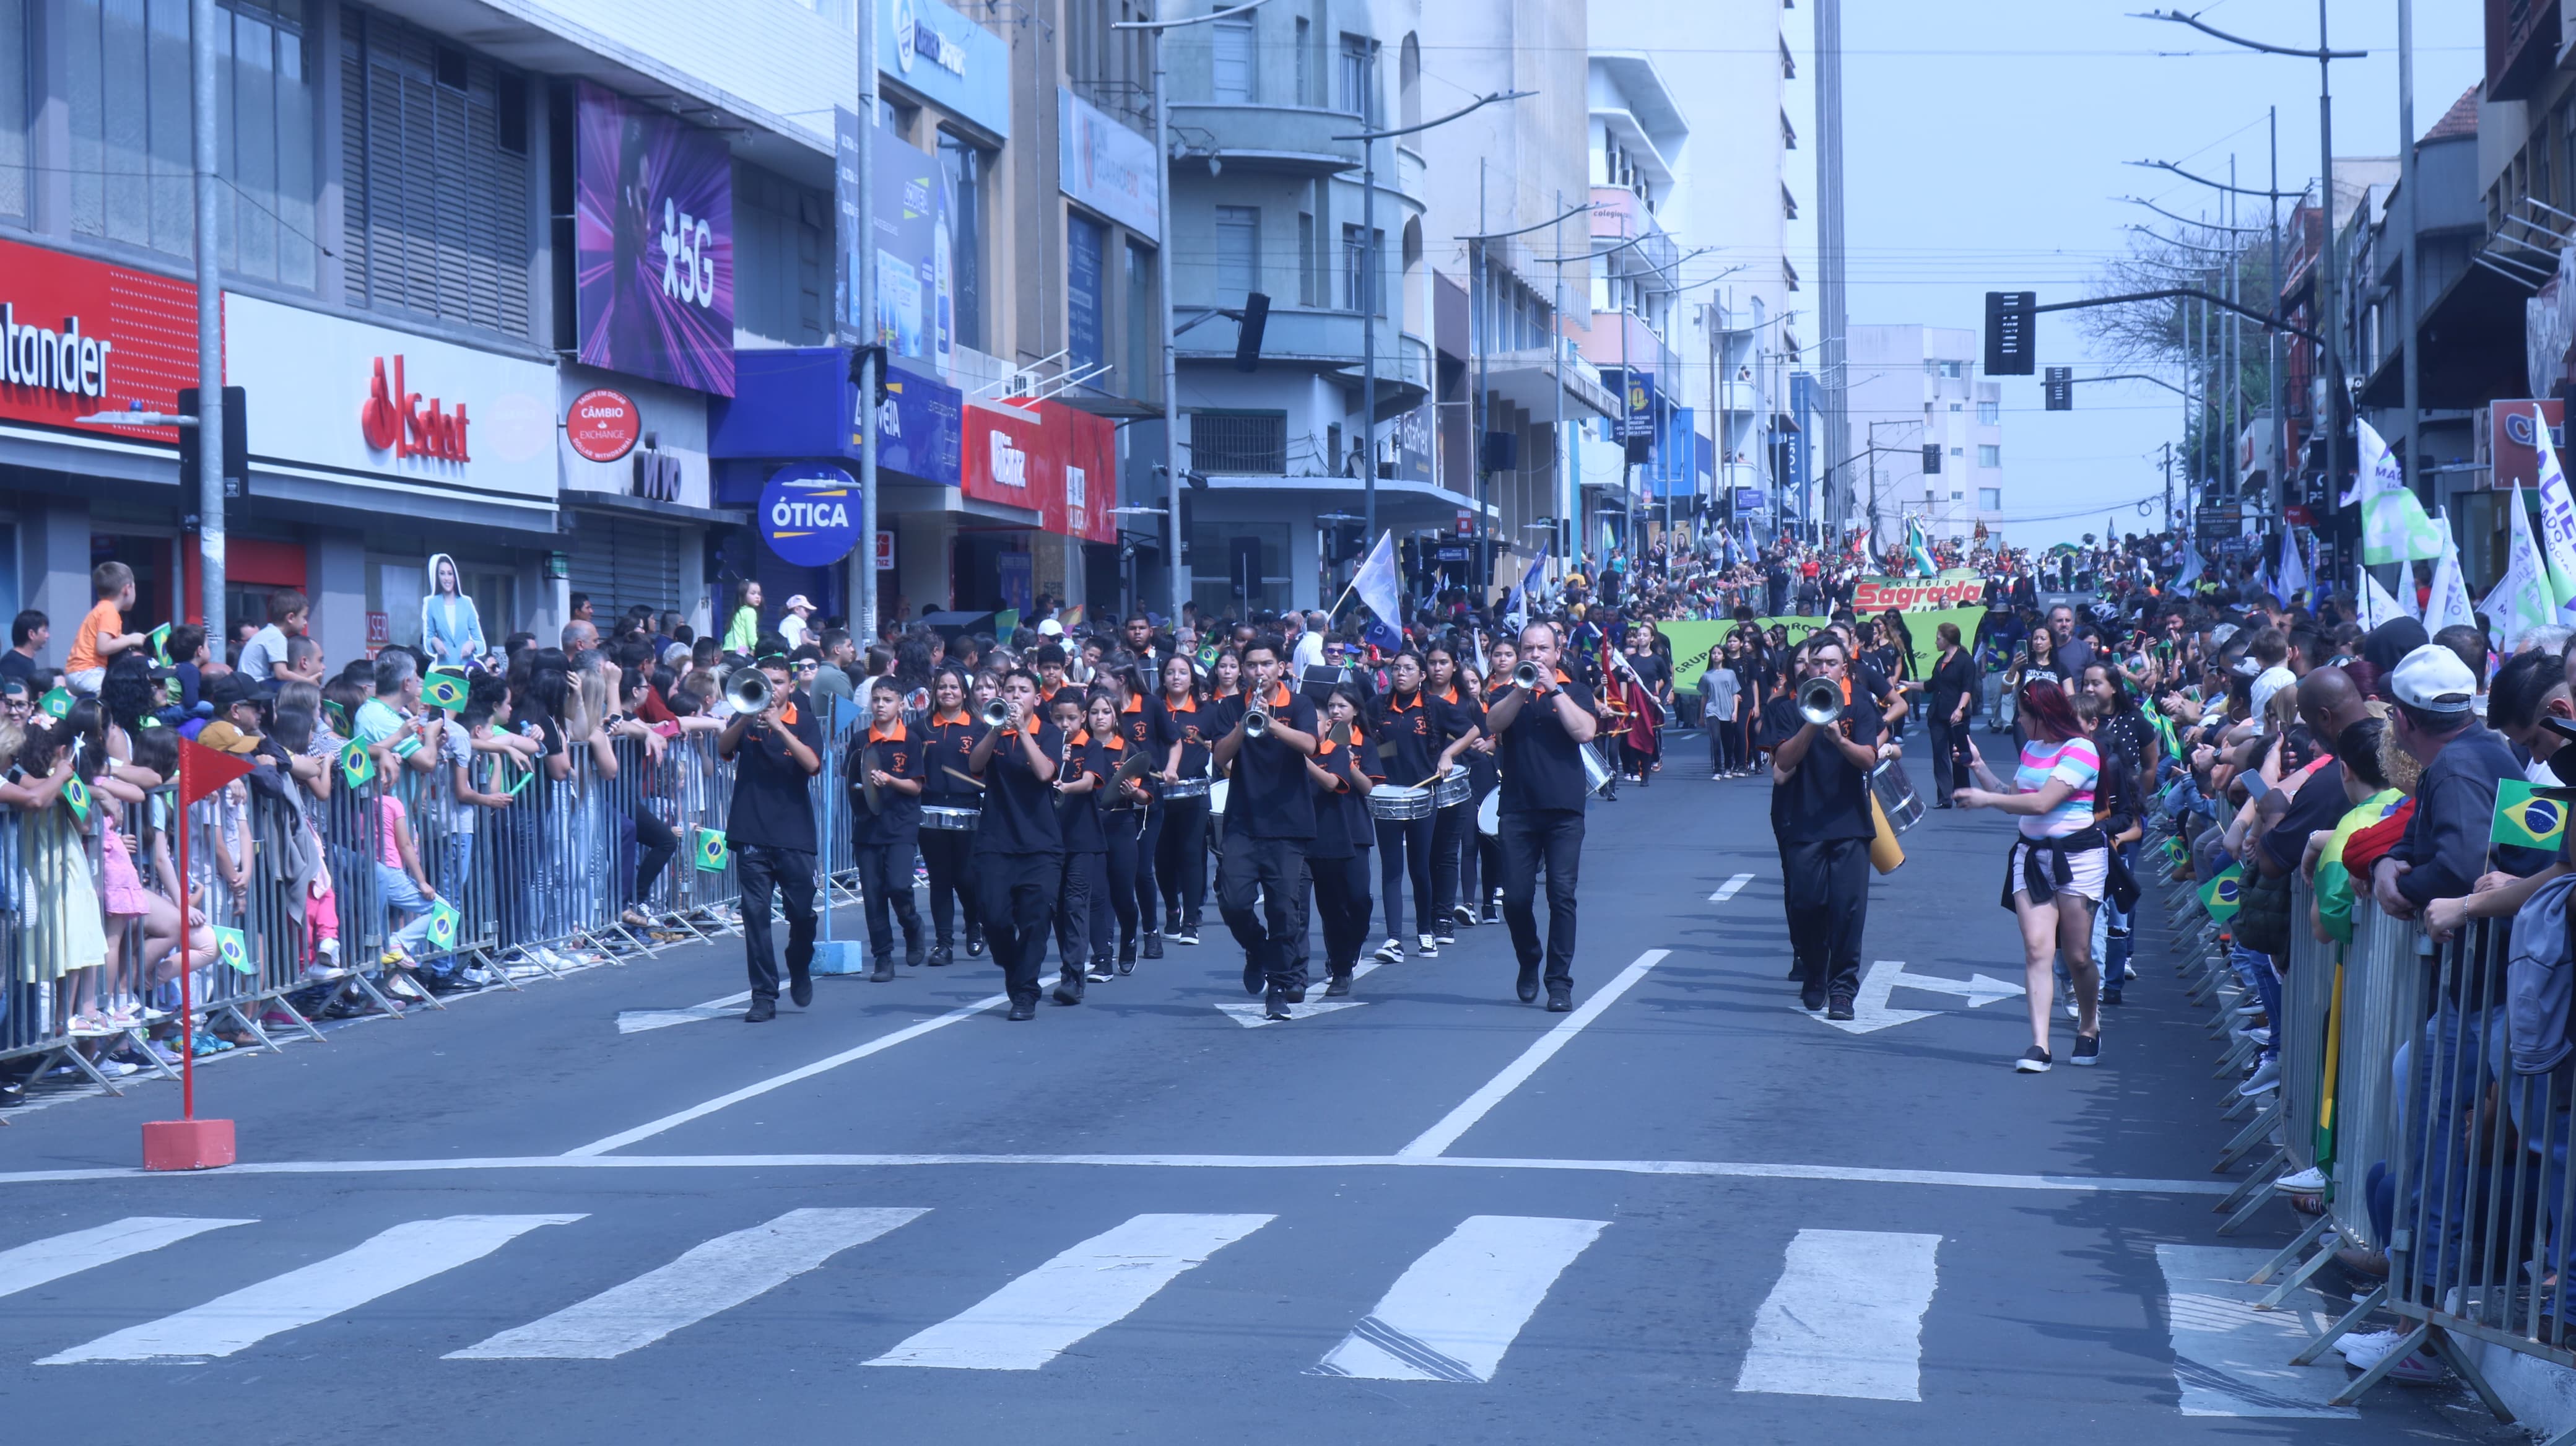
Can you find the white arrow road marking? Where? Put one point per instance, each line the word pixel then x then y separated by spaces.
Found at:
pixel 1845 1318
pixel 636 1021
pixel 1870 1009
pixel 1250 1015
pixel 1726 891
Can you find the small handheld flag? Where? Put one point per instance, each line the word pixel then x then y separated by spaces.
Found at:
pixel 711 850
pixel 2220 896
pixel 443 920
pixel 57 702
pixel 232 949
pixel 76 798
pixel 357 765
pixel 159 638
pixel 520 776
pixel 444 690
pixel 2524 819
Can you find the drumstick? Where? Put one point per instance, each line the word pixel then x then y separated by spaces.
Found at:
pixel 961 777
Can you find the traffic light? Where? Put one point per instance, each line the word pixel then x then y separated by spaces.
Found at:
pixel 2059 386
pixel 2012 333
pixel 236 453
pixel 1931 459
pixel 1247 334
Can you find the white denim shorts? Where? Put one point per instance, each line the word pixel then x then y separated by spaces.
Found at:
pixel 2091 870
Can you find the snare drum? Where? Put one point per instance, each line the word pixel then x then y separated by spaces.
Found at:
pixel 1895 794
pixel 943 819
pixel 1453 790
pixel 1216 796
pixel 1489 815
pixel 1396 802
pixel 1190 788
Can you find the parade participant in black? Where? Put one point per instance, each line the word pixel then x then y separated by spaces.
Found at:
pixel 885 767
pixel 1269 820
pixel 1077 813
pixel 1123 799
pixel 1019 846
pixel 1949 698
pixel 1181 862
pixel 1049 660
pixel 1821 819
pixel 947 746
pixel 1454 713
pixel 1538 731
pixel 1344 771
pixel 1139 725
pixel 1476 748
pixel 770 833
pixel 1408 746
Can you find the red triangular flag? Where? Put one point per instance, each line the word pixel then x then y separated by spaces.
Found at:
pixel 202 770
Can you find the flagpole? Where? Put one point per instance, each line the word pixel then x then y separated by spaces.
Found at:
pixel 187 972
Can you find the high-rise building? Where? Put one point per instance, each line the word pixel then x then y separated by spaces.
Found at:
pixel 1928 433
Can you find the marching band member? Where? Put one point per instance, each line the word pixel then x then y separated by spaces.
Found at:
pixel 1140 726
pixel 1077 811
pixel 1455 713
pixel 948 744
pixel 1123 799
pixel 1181 862
pixel 1409 752
pixel 1337 858
pixel 886 773
pixel 1019 845
pixel 1539 729
pixel 1820 816
pixel 1269 821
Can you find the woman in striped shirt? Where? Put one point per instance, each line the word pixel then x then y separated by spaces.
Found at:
pixel 2058 866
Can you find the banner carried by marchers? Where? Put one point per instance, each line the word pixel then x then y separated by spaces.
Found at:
pixel 1874 595
pixel 1695 642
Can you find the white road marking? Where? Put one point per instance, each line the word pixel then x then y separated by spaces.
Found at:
pixel 1735 1169
pixel 41 1261
pixel 1871 1011
pixel 405 1255
pixel 1453 1312
pixel 1845 1318
pixel 2231 1359
pixel 624 1138
pixel 1254 1016
pixel 1457 1122
pixel 1726 891
pixel 708 1279
pixel 636 1021
pixel 1098 1283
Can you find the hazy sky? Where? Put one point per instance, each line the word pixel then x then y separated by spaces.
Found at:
pixel 1984 148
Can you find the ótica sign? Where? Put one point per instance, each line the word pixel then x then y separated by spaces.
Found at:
pixel 603 425
pixel 809 514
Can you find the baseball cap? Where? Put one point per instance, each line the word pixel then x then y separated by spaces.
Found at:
pixel 799 601
pixel 1049 627
pixel 2434 679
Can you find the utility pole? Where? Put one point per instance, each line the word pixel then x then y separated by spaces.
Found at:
pixel 2329 309
pixel 1368 302
pixel 1171 341
pixel 863 599
pixel 202 16
pixel 1835 373
pixel 2281 470
pixel 2410 297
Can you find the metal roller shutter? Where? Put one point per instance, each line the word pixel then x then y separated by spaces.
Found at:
pixel 621 562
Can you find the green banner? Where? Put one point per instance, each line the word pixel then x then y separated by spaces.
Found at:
pixel 1694 642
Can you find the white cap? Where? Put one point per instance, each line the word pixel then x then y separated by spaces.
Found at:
pixel 2434 679
pixel 1049 627
pixel 799 601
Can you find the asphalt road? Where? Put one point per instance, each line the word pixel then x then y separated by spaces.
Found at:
pixel 1687 1210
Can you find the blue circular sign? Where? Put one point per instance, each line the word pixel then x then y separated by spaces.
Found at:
pixel 809 514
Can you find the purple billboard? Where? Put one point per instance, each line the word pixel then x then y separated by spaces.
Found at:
pixel 653 245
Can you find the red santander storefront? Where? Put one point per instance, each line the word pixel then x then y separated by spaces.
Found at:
pixel 1046 478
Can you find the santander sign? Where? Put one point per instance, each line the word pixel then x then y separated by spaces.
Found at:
pixel 394 419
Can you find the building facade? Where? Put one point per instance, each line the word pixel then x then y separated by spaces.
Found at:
pixel 1928 430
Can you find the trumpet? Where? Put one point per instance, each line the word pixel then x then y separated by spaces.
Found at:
pixel 1256 723
pixel 1526 675
pixel 750 691
pixel 1820 701
pixel 996 713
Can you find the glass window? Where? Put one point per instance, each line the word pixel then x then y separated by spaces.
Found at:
pixel 1084 242
pixel 965 165
pixel 1143 372
pixel 15 56
pixel 1238 253
pixel 1989 413
pixel 1989 455
pixel 435 178
pixel 1309 288
pixel 1236 77
pixel 1358 96
pixel 1990 499
pixel 1305 62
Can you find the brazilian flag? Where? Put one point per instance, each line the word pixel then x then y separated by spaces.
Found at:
pixel 159 638
pixel 357 765
pixel 76 798
pixel 2524 819
pixel 444 689
pixel 2175 852
pixel 231 948
pixel 2220 894
pixel 57 702
pixel 712 854
pixel 443 920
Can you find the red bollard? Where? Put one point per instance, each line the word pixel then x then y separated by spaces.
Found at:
pixel 187 1144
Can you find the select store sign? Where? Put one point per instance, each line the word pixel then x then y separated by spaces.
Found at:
pixel 603 425
pixel 82 336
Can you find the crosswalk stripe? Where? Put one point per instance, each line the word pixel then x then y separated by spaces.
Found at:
pixel 40 1261
pixel 1726 891
pixel 1097 1283
pixel 2231 1359
pixel 1453 1312
pixel 1845 1318
pixel 404 1255
pixel 715 1276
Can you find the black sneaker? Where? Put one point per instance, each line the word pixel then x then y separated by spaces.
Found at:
pixel 1337 986
pixel 1023 1009
pixel 1840 1008
pixel 2111 996
pixel 2088 1050
pixel 1187 933
pixel 1811 998
pixel 941 957
pixel 1274 1005
pixel 761 1011
pixel 1153 950
pixel 1560 1000
pixel 2034 1060
pixel 1254 977
pixel 1526 986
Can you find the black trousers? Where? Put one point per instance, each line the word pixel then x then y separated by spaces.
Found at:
pixel 1826 894
pixel 1180 862
pixel 1258 885
pixel 1342 907
pixel 945 852
pixel 1142 888
pixel 1076 881
pixel 1450 828
pixel 655 844
pixel 757 868
pixel 1949 755
pixel 1551 839
pixel 1404 848
pixel 1015 895
pixel 1484 872
pixel 1114 899
pixel 885 899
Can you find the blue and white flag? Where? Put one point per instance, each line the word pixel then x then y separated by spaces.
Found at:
pixel 2190 565
pixel 2292 574
pixel 1920 549
pixel 1382 592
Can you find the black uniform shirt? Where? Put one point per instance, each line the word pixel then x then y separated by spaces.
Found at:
pixel 1828 797
pixel 1542 768
pixel 898 751
pixel 1019 808
pixel 1185 723
pixel 1271 796
pixel 1408 731
pixel 948 741
pixel 772 804
pixel 1078 814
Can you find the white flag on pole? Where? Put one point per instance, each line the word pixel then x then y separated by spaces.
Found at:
pixel 2377 606
pixel 2393 525
pixel 2448 603
pixel 2522 599
pixel 2557 516
pixel 2293 572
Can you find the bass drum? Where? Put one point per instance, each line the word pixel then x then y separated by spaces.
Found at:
pixel 1489 815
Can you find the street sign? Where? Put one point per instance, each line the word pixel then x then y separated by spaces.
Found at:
pixel 2059 388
